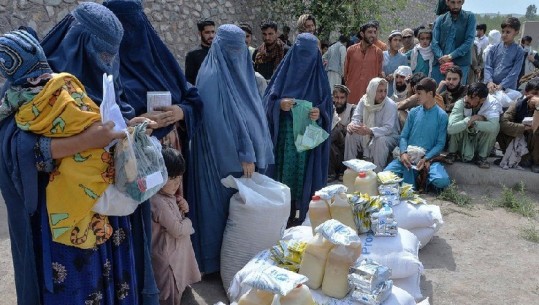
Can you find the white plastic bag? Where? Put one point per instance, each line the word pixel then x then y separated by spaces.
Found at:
pixel 411 216
pixel 140 169
pixel 411 285
pixel 299 233
pixel 400 253
pixel 109 109
pixel 256 221
pixel 260 261
pixel 358 165
pixel 425 234
pixel 115 203
pixel 330 191
pixel 397 297
pixel 338 234
pixel 275 280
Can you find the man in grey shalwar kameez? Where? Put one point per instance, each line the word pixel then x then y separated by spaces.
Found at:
pixel 374 129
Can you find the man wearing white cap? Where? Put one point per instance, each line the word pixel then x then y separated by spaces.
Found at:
pixel 393 59
pixel 374 129
pixel 400 83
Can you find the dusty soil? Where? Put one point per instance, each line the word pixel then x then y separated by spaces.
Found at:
pixel 478 257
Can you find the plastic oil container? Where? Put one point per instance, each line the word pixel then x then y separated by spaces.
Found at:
pixel 341 210
pixel 298 296
pixel 318 211
pixel 256 297
pixel 366 183
pixel 340 258
pixel 314 259
pixel 349 178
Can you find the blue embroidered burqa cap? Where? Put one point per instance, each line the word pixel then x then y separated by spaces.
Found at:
pixel 21 57
pixel 86 43
pixel 103 24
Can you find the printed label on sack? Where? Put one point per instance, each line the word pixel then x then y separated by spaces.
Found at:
pixel 153 180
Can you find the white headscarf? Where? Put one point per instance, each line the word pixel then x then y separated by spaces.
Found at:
pixel 494 37
pixel 370 106
pixel 426 53
pixel 403 71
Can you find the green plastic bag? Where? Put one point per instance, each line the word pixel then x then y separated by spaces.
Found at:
pixel 307 134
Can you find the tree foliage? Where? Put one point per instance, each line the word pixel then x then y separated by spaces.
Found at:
pixel 531 12
pixel 344 16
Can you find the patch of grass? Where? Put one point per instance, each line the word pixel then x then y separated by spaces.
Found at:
pixel 516 201
pixel 530 233
pixel 452 194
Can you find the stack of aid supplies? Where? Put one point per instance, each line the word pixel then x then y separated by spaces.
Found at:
pixel 370 282
pixel 274 285
pixel 328 257
pixel 411 212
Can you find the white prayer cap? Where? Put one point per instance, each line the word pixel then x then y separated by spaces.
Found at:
pixel 403 70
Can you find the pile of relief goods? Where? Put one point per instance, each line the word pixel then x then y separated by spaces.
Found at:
pixel 370 282
pixel 329 259
pixel 354 238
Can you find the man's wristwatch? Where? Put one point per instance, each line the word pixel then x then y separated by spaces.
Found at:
pixel 537 107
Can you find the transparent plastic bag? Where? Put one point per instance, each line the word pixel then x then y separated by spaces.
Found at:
pixel 140 168
pixel 313 136
pixel 109 109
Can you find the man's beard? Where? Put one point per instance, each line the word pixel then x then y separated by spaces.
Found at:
pixel 340 109
pixel 454 89
pixel 400 88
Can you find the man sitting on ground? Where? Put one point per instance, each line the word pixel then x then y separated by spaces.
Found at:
pixel 401 77
pixel 374 129
pixel 473 126
pixel 451 89
pixel 425 127
pixel 344 111
pixel 512 124
pixel 412 99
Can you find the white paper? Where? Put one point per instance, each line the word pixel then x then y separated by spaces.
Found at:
pixel 153 180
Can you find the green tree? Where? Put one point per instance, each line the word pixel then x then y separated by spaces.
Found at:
pixel 344 16
pixel 531 12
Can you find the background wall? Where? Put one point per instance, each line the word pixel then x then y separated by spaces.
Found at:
pixel 176 20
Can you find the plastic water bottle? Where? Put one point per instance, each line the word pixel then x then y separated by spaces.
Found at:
pixel 318 211
pixel 348 179
pixel 366 183
pixel 341 210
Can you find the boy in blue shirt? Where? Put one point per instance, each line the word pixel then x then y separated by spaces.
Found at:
pixel 504 60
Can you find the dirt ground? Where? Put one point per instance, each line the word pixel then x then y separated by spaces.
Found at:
pixel 478 257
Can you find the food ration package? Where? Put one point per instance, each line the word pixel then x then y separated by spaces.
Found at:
pixel 366 275
pixel 389 193
pixel 383 222
pixel 376 297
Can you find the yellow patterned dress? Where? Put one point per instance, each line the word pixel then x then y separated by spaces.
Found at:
pixel 62 109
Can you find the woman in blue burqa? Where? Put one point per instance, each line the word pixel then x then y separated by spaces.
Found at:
pixel 47 272
pixel 233 138
pixel 146 64
pixel 300 76
pixel 86 44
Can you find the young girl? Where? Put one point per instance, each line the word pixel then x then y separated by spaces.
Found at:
pixel 173 258
pixel 421 56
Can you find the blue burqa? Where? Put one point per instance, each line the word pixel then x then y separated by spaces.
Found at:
pixel 301 76
pixel 146 64
pixel 233 130
pixel 69 48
